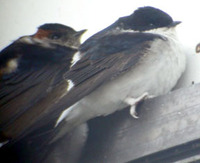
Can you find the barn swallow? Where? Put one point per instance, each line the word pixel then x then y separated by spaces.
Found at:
pixel 31 76
pixel 138 56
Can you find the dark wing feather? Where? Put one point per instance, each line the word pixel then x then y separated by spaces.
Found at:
pixel 40 70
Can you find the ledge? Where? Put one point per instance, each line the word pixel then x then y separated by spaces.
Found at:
pixel 168 130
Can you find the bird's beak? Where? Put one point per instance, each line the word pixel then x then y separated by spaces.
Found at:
pixel 79 33
pixel 175 23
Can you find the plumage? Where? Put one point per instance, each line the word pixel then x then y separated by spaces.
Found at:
pixel 136 57
pixel 31 76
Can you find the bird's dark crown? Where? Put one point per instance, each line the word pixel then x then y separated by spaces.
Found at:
pixel 146 18
pixel 55 27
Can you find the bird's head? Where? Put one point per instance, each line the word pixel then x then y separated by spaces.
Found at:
pixel 59 34
pixel 146 19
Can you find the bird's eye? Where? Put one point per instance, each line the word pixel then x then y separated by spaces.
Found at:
pixel 55 36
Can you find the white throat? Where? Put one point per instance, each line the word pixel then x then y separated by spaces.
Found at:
pixel 165 31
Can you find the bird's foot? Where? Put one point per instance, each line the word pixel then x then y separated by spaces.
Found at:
pixel 133 103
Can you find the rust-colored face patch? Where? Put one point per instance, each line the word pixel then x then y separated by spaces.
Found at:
pixel 42 33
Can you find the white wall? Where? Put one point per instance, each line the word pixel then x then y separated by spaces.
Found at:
pixel 22 17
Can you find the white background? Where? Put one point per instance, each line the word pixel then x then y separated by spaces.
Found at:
pixel 22 17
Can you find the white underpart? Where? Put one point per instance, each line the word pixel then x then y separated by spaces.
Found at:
pixel 75 58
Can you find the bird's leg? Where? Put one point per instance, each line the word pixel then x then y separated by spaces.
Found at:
pixel 133 103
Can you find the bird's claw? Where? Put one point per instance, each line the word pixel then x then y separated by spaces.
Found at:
pixel 133 103
pixel 133 112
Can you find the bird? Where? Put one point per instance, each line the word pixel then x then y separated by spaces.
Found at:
pixel 136 57
pixel 197 48
pixel 31 76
